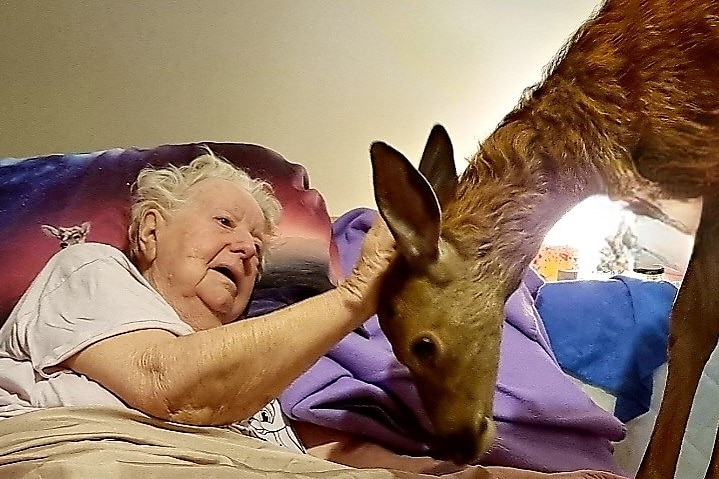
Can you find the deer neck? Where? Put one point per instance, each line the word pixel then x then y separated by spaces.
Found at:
pixel 509 198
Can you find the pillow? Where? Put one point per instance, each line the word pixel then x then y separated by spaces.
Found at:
pixel 88 195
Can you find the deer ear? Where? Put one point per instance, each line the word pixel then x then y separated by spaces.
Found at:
pixel 85 227
pixel 407 203
pixel 50 231
pixel 437 164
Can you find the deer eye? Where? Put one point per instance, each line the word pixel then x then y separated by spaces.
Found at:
pixel 425 349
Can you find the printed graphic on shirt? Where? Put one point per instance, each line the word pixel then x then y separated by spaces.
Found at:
pixel 68 235
pixel 269 424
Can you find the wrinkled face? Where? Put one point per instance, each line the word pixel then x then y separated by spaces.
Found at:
pixel 447 329
pixel 204 256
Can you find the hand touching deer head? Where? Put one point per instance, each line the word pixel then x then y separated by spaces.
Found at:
pixel 442 315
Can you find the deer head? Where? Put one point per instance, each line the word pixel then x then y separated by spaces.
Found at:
pixel 68 235
pixel 443 323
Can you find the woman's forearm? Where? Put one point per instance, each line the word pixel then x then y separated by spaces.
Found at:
pixel 228 373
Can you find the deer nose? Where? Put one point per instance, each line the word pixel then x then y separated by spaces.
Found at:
pixel 467 446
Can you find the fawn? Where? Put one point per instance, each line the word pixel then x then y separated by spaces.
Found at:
pixel 68 235
pixel 628 108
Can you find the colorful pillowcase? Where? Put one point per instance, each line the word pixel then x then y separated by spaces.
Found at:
pixel 49 200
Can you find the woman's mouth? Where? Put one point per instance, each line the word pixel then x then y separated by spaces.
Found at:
pixel 226 272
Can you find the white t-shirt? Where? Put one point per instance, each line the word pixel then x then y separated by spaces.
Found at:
pixel 86 293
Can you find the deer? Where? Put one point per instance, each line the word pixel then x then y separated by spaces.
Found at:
pixel 628 108
pixel 68 235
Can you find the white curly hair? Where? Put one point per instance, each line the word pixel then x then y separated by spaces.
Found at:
pixel 165 189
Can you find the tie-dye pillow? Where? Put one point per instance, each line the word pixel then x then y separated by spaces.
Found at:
pixel 49 200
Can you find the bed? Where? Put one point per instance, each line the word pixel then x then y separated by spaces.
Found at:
pixel 581 364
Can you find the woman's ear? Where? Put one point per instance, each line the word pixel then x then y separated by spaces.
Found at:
pixel 148 235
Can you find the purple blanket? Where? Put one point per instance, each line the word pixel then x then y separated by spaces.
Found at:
pixel 544 422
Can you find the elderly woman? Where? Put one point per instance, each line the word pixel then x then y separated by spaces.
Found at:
pixel 155 332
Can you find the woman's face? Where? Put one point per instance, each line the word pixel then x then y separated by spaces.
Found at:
pixel 206 254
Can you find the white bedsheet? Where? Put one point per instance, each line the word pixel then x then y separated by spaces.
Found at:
pixel 701 429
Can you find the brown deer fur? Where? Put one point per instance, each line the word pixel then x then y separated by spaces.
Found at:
pixel 629 108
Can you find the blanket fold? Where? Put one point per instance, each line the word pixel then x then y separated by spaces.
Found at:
pixel 77 443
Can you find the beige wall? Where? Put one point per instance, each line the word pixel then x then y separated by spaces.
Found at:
pixel 315 80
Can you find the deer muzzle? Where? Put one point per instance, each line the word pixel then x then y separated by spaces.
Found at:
pixel 467 446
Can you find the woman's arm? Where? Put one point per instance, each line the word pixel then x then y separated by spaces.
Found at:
pixel 228 373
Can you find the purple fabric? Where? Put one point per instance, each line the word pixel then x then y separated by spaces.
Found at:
pixel 544 421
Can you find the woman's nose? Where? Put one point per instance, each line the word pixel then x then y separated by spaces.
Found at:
pixel 244 247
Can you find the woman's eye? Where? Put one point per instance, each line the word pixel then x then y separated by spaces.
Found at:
pixel 224 221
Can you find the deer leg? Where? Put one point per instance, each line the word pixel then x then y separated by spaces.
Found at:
pixel 713 470
pixel 693 334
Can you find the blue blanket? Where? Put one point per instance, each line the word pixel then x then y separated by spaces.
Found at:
pixel 611 334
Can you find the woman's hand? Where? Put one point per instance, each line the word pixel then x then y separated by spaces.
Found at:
pixel 362 286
